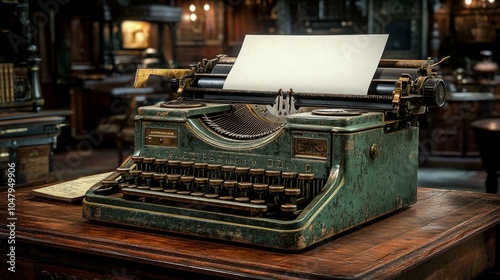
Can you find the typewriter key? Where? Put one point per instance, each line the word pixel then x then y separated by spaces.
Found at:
pixel 273 177
pixel 288 179
pixel 242 169
pixel 305 184
pixel 186 167
pixel 173 181
pixel 257 175
pixel 169 191
pixel 148 175
pixel 198 194
pixel 201 184
pixel 214 171
pixel 215 185
pixel 123 171
pixel 200 169
pixel 228 172
pixel 107 187
pixel 293 193
pixel 276 191
pixel 230 185
pixel 135 175
pixel 257 201
pixel 160 165
pixel 187 183
pixel 147 164
pixel 160 179
pixel 259 189
pixel 242 199
pixel 173 166
pixel 288 207
pixel 138 161
pixel 244 187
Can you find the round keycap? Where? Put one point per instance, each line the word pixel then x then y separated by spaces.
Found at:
pixel 292 191
pixel 244 185
pixel 198 194
pixel 242 199
pixel 260 187
pixel 257 201
pixel 288 175
pixel 306 176
pixel 288 207
pixel 276 189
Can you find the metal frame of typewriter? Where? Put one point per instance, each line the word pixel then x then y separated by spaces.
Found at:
pixel 351 161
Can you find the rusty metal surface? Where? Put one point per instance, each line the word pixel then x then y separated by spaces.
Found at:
pixel 142 75
pixel 357 188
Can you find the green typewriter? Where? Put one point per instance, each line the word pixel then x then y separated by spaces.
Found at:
pixel 279 169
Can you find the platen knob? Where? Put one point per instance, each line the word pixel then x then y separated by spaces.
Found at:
pixel 434 92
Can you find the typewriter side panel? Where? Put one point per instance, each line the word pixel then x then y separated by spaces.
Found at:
pixel 376 176
pixel 379 173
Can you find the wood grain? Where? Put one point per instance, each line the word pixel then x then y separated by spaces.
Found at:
pixel 444 232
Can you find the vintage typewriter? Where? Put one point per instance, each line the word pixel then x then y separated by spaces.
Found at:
pixel 279 169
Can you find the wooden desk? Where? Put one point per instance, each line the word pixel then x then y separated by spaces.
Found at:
pixel 445 234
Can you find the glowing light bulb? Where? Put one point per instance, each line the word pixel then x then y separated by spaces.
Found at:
pixel 468 2
pixel 192 17
pixel 192 8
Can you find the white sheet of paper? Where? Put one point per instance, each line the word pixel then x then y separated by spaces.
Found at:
pixel 70 189
pixel 334 64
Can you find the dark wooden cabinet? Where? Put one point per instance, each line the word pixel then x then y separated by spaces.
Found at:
pixel 27 141
pixel 448 132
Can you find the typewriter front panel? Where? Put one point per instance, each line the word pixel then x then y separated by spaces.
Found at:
pixel 190 139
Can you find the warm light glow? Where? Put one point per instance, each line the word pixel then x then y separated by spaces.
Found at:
pixel 135 34
pixel 468 2
pixel 207 7
pixel 192 17
pixel 192 7
pixel 491 1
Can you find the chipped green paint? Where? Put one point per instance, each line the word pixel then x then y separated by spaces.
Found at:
pixel 359 187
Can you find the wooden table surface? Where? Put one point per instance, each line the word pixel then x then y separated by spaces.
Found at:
pixel 445 233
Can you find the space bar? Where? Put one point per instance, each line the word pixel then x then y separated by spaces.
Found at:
pixel 247 207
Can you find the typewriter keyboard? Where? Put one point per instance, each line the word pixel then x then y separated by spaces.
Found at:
pixel 214 187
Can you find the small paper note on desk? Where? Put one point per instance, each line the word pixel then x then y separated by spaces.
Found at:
pixel 70 191
pixel 330 64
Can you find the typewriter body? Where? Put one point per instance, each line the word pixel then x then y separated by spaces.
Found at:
pixel 278 169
